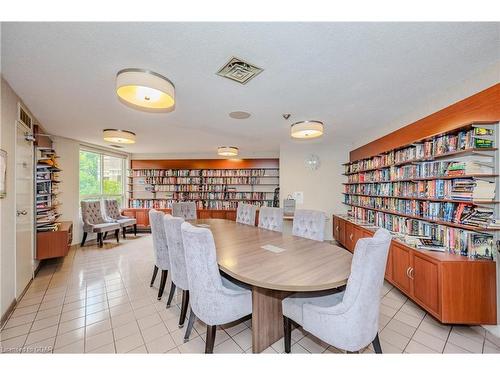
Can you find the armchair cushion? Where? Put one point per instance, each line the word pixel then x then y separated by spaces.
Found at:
pixel 293 305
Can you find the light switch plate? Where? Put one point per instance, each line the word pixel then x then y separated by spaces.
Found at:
pixel 298 196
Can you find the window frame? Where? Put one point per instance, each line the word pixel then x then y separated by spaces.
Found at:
pixel 101 196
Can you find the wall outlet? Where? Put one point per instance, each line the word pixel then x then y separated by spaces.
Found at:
pixel 298 196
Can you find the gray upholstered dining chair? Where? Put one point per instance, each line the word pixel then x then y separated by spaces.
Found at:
pixel 347 320
pixel 94 222
pixel 245 214
pixel 178 271
pixel 186 210
pixel 214 299
pixel 112 209
pixel 271 218
pixel 160 247
pixel 309 224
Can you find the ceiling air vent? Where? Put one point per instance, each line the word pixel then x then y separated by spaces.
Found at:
pixel 116 146
pixel 24 117
pixel 239 70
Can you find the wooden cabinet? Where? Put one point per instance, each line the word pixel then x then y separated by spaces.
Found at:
pixel 54 244
pixel 349 241
pixel 424 277
pixel 452 288
pixel 339 229
pixel 388 267
pixel 142 215
pixel 401 267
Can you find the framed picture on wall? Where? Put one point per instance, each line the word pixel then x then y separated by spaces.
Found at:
pixel 3 173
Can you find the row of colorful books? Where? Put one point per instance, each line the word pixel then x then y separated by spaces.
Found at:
pixel 221 196
pixel 460 213
pixel 203 173
pixel 465 189
pixel 459 167
pixel 480 136
pixel 453 240
pixel 200 204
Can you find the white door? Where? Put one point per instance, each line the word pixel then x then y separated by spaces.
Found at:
pixel 24 209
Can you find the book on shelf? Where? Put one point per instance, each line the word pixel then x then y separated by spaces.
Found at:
pixel 454 240
pixel 480 246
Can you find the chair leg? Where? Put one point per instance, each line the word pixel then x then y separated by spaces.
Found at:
pixel 155 271
pixel 164 274
pixel 84 239
pixel 99 239
pixel 189 327
pixel 117 235
pixel 376 345
pixel 209 343
pixel 105 235
pixel 171 294
pixel 184 307
pixel 135 229
pixel 287 325
pixel 124 232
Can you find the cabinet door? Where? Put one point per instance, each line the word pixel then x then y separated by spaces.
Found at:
pixel 349 236
pixel 388 267
pixel 339 229
pixel 401 267
pixel 142 218
pixel 425 280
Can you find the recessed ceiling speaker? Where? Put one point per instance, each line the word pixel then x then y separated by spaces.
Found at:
pixel 239 115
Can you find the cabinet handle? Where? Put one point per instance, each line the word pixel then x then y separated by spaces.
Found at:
pixel 412 273
pixel 337 228
pixel 350 236
pixel 408 272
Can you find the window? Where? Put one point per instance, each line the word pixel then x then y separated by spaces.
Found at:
pixel 101 176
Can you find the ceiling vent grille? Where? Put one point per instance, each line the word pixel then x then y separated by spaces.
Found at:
pixel 238 70
pixel 23 116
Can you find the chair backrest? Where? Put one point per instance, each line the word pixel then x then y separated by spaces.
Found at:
pixel 205 284
pixel 271 218
pixel 176 251
pixel 309 224
pixel 245 214
pixel 160 245
pixel 362 295
pixel 112 208
pixel 91 213
pixel 186 210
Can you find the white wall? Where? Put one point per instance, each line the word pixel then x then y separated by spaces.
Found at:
pixel 476 82
pixel 322 188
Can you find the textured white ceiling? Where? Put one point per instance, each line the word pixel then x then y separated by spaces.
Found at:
pixel 353 76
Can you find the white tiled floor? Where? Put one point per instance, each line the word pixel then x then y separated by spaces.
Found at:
pixel 99 301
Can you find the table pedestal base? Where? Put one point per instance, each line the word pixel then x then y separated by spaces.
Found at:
pixel 267 317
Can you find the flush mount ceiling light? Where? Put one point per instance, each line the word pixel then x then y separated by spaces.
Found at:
pixel 118 136
pixel 307 129
pixel 239 115
pixel 227 151
pixel 145 90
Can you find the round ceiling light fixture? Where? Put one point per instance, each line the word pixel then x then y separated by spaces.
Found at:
pixel 239 115
pixel 307 129
pixel 227 151
pixel 145 90
pixel 118 136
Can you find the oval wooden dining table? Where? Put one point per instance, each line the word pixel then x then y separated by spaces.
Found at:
pixel 275 265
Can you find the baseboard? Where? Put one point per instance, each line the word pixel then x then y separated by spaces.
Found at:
pixel 15 301
pixel 7 314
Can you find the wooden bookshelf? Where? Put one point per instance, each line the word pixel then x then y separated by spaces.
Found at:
pixel 216 185
pixel 453 288
pixel 53 237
